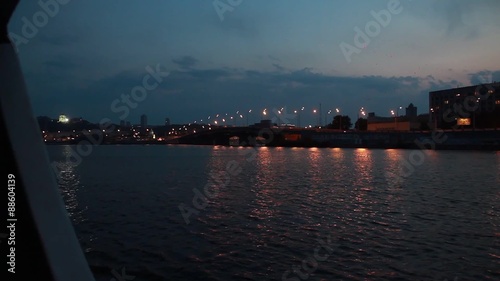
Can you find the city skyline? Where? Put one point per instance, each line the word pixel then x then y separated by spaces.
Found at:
pixel 255 56
pixel 244 118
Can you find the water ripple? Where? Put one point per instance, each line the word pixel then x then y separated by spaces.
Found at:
pixel 438 223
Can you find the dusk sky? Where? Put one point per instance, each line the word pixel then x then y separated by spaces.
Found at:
pixel 258 54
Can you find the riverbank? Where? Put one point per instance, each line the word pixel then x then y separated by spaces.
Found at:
pixel 277 137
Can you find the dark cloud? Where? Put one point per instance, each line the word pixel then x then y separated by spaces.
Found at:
pixel 231 90
pixel 484 76
pixel 454 15
pixel 186 62
pixel 193 94
pixel 278 67
pixel 436 85
pixel 458 18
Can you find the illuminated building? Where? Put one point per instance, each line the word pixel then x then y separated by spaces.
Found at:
pixel 63 118
pixel 472 107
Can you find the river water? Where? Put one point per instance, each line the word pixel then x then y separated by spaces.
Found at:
pixel 154 212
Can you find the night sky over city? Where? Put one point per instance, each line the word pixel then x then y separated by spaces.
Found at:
pixel 228 56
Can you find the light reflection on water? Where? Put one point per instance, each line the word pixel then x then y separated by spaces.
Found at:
pixel 264 192
pixel 438 222
pixel 69 183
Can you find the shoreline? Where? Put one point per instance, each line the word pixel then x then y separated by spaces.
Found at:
pixel 271 137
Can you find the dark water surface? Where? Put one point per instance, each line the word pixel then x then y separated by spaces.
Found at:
pixel 284 213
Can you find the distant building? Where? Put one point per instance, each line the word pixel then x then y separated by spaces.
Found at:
pixel 466 107
pixel 122 123
pixel 167 121
pixel 411 111
pixel 144 121
pixel 397 123
pixel 76 120
pixel 234 141
pixel 63 118
pixel 263 124
pixel 127 124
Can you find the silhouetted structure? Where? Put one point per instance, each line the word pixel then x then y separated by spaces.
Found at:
pixel 263 124
pixel 340 122
pixel 361 124
pixel 411 111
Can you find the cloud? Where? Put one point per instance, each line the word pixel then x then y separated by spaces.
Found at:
pixel 190 94
pixel 236 89
pixel 462 19
pixel 484 76
pixel 274 58
pixel 185 62
pixel 278 67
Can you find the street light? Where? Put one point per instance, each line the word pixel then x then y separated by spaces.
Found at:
pixel 474 112
pixel 397 115
pixel 329 111
pixel 340 118
pixel 299 111
pixel 395 123
pixel 249 111
pixel 362 111
pixel 314 112
pixel 433 116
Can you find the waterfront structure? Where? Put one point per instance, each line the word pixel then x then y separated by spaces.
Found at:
pixel 409 122
pixel 265 123
pixel 234 141
pixel 472 107
pixel 391 124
